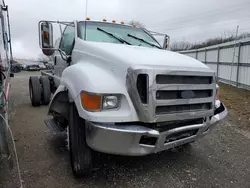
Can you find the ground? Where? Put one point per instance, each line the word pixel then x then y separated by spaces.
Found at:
pixel 221 159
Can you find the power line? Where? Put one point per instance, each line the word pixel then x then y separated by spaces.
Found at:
pixel 198 25
pixel 213 12
pixel 183 19
pixel 211 34
pixel 205 37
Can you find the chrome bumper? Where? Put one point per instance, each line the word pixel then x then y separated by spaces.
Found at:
pixel 125 139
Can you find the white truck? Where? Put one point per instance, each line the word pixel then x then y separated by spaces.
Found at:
pixel 117 90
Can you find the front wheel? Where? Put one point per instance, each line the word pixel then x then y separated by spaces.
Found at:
pixel 80 153
pixel 35 91
pixel 46 93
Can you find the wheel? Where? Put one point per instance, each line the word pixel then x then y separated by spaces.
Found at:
pixel 187 145
pixel 15 70
pixel 80 153
pixel 46 93
pixel 35 90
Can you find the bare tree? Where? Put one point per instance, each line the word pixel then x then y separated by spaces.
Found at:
pixel 42 57
pixel 178 46
pixel 227 36
pixel 137 23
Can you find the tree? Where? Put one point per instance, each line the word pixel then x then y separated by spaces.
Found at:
pixel 227 36
pixel 42 57
pixel 178 46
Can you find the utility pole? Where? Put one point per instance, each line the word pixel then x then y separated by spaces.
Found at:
pixel 236 35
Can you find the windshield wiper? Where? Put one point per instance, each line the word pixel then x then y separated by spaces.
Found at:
pixel 140 39
pixel 114 36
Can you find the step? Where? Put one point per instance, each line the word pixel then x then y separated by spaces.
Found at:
pixel 53 126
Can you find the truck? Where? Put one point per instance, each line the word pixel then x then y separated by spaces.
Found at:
pixel 115 89
pixel 6 65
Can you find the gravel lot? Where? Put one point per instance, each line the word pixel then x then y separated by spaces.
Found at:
pixel 221 159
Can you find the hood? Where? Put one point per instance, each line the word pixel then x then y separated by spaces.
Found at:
pixel 129 56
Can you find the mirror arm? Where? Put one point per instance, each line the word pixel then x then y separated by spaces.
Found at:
pixel 63 55
pixel 69 60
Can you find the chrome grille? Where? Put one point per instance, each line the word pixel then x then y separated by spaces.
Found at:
pixel 179 79
pixel 183 94
pixel 173 94
pixel 170 109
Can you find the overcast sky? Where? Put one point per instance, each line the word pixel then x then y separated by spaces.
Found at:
pixel 189 20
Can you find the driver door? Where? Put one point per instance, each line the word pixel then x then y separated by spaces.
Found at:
pixel 66 45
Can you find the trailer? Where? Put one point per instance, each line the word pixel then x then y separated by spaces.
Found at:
pixel 5 75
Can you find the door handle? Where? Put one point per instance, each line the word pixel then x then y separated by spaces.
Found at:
pixel 55 61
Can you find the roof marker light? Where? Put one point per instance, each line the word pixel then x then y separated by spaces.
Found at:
pixel 87 18
pixel 104 20
pixel 113 21
pixel 122 22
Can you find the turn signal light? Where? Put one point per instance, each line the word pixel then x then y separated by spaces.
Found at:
pixel 91 102
pixel 46 35
pixel 218 94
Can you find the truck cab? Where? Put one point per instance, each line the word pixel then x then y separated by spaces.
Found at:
pixel 115 89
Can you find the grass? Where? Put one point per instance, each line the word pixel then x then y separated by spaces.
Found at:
pixel 237 101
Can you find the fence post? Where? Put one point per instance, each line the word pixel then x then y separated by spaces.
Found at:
pixel 218 61
pixel 196 54
pixel 205 56
pixel 238 66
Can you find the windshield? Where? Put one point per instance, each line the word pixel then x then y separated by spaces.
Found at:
pixel 94 34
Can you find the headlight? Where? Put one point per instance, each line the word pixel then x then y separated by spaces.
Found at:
pixel 110 102
pixel 217 92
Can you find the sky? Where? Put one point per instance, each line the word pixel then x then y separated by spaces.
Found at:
pixel 182 20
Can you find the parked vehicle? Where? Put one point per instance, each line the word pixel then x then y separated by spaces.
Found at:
pixel 24 65
pixel 42 66
pixel 49 66
pixel 16 67
pixel 117 90
pixel 33 67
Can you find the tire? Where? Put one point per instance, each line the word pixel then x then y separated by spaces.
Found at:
pixel 35 91
pixel 15 70
pixel 189 144
pixel 80 153
pixel 46 93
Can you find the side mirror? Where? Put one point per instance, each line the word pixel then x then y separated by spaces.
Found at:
pixel 46 37
pixel 161 38
pixel 166 42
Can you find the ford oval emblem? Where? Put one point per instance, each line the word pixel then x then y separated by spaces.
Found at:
pixel 187 94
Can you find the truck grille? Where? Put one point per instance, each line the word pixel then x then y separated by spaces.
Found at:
pixel 180 94
pixel 178 79
pixel 174 95
pixel 182 108
pixel 141 84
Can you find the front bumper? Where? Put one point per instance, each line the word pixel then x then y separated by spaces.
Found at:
pixel 126 139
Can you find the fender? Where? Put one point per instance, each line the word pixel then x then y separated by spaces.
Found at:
pixel 59 102
pixel 84 76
